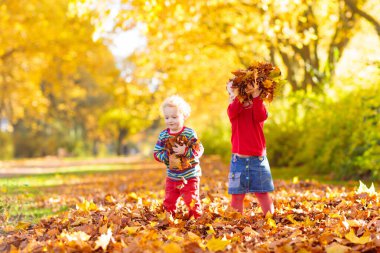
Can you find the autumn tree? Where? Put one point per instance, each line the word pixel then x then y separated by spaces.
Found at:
pixel 54 74
pixel 306 37
pixel 130 112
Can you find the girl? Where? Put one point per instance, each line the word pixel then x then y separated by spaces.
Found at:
pixel 179 149
pixel 249 169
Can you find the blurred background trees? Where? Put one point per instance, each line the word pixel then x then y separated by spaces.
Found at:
pixel 63 89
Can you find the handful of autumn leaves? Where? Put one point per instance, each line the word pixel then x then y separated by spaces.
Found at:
pixel 262 74
pixel 178 162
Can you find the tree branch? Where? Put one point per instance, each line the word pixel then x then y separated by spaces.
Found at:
pixel 340 39
pixel 363 14
pixel 8 53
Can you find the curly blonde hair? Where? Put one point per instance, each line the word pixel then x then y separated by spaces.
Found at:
pixel 179 102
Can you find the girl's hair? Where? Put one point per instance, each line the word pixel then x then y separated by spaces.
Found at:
pixel 179 102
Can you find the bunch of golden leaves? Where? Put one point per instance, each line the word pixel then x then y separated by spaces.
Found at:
pixel 262 74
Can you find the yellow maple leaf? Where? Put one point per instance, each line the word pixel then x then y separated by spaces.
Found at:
pixel 337 248
pixel 351 236
pixel 291 219
pixel 211 230
pixel 86 206
pixel 206 201
pixel 309 222
pixel 131 230
pixel 271 223
pixel 103 240
pixel 172 248
pixel 215 244
pixel 364 189
pixel 75 236
pixel 22 225
pixel 133 195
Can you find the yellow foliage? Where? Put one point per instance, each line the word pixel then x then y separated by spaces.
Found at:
pixel 172 248
pixel 337 248
pixel 215 244
pixel 351 236
pixel 271 223
pixel 75 236
pixel 364 189
pixel 131 230
pixel 86 206
pixel 103 240
pixel 22 225
pixel 211 230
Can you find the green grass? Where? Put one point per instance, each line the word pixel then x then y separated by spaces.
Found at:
pixel 19 197
pixel 19 193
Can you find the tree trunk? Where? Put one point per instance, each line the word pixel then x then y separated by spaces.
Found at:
pixel 119 145
pixel 291 78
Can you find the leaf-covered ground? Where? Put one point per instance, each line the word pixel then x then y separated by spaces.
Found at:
pixel 122 212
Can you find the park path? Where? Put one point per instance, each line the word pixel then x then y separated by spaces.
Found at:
pixel 56 165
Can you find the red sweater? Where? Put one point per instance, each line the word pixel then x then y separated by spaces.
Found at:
pixel 247 127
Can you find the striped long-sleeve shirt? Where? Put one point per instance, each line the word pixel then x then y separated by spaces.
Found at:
pixel 179 166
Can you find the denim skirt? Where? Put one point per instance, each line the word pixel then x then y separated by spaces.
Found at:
pixel 249 174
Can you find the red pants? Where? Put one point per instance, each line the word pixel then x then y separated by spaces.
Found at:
pixel 189 192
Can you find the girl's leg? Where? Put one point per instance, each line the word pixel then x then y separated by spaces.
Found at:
pixel 265 201
pixel 171 196
pixel 190 194
pixel 237 202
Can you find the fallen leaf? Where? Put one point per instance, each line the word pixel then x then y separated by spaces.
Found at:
pixel 172 248
pixel 337 248
pixel 103 240
pixel 215 244
pixel 86 206
pixel 358 240
pixel 22 225
pixel 75 236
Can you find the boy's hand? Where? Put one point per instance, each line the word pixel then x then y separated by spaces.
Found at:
pixel 179 149
pixel 253 90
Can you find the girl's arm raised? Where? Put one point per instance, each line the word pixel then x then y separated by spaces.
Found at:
pixel 259 111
